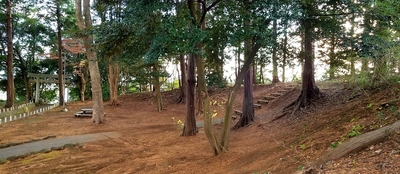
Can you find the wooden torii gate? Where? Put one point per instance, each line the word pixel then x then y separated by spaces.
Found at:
pixel 44 78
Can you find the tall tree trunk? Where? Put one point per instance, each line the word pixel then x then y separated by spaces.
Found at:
pixel 190 128
pixel 201 82
pixel 353 47
pixel 238 62
pixel 254 72
pixel 124 75
pixel 82 87
pixel 352 66
pixel 183 78
pixel 275 78
pixel 285 54
pixel 157 87
pixel 310 90
pixel 332 57
pixel 83 75
pixel 284 57
pixel 364 65
pixel 261 74
pixel 205 101
pixel 10 57
pixel 248 105
pixel 113 79
pixel 232 96
pixel 28 87
pixel 98 108
pixel 60 58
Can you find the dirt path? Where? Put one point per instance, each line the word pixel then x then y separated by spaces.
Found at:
pixel 150 141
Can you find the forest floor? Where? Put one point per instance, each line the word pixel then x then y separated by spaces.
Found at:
pixel 150 141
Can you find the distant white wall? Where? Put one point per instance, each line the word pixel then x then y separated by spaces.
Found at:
pixel 3 95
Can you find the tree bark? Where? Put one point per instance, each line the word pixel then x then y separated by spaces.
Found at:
pixel 124 85
pixel 10 69
pixel 261 74
pixel 98 108
pixel 238 62
pixel 247 107
pixel 183 78
pixel 157 88
pixel 357 143
pixel 83 75
pixel 190 128
pixel 284 58
pixel 82 88
pixel 364 65
pixel 285 54
pixel 60 58
pixel 113 79
pixel 275 78
pixel 254 72
pixel 205 101
pixel 248 104
pixel 28 87
pixel 232 96
pixel 310 90
pixel 332 57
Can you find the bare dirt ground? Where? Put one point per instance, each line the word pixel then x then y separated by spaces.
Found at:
pixel 151 141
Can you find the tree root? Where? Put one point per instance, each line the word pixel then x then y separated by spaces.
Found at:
pixel 114 103
pixel 300 103
pixel 180 100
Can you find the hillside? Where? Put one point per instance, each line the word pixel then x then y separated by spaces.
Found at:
pixel 151 141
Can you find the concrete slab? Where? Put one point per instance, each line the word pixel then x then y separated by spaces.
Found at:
pixel 53 143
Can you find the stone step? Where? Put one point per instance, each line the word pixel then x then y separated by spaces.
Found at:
pixel 238 112
pixel 234 117
pixel 276 94
pixel 289 88
pixel 263 101
pixel 258 106
pixel 269 97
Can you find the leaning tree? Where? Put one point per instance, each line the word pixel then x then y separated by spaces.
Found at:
pixel 85 23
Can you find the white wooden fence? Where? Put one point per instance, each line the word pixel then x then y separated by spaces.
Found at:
pixel 2 110
pixel 19 116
